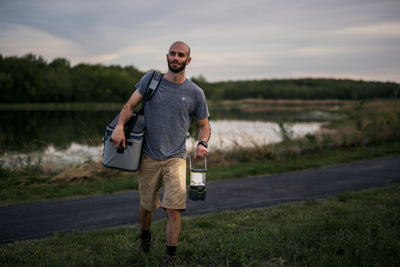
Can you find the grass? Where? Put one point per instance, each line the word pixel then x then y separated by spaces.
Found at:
pixel 22 186
pixel 30 184
pixel 351 229
pixel 372 129
pixel 301 162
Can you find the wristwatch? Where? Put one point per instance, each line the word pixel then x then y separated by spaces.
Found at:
pixel 203 143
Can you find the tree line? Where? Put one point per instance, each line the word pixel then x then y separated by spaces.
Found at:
pixel 30 79
pixel 307 88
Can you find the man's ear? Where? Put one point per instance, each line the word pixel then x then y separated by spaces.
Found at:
pixel 188 60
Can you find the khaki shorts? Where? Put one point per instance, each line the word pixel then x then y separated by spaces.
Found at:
pixel 152 173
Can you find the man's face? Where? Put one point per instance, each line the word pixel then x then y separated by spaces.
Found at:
pixel 177 59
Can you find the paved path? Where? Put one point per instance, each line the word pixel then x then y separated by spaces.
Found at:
pixel 36 220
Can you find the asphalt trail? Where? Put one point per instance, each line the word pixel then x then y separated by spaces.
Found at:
pixel 42 219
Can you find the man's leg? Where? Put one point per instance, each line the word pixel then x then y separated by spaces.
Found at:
pixel 173 228
pixel 145 218
pixel 149 186
pixel 172 232
pixel 174 202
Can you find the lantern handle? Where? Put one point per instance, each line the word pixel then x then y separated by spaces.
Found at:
pixel 190 163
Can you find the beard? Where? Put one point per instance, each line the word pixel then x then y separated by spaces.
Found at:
pixel 178 69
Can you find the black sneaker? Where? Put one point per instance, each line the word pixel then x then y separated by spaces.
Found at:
pixel 169 261
pixel 145 243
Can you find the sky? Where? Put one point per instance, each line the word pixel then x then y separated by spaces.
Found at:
pixel 229 39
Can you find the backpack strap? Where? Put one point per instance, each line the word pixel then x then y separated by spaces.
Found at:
pixel 151 89
pixel 153 85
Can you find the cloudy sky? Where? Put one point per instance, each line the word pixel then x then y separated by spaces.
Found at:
pixel 230 39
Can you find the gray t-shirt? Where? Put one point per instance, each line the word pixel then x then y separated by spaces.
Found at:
pixel 168 115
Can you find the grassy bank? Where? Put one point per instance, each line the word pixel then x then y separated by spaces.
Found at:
pixel 351 229
pixel 370 129
pixel 30 184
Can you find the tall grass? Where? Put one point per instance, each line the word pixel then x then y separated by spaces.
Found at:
pixel 371 130
pixel 369 123
pixel 21 186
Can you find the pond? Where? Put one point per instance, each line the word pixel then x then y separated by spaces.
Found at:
pixel 65 137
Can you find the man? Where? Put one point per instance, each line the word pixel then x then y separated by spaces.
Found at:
pixel 167 116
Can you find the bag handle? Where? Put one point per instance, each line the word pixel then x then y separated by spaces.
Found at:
pixel 130 124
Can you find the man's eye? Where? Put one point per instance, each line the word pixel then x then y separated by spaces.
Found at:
pixel 181 54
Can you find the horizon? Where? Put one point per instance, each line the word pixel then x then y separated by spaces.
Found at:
pixel 201 75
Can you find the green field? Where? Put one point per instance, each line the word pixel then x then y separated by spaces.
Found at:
pixel 351 229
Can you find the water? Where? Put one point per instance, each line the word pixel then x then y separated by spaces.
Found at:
pixel 52 157
pixel 63 137
pixel 226 134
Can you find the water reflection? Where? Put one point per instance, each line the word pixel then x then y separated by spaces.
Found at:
pixel 228 134
pixel 225 135
pixel 74 136
pixel 27 131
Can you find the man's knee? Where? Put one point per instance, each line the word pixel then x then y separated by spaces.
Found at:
pixel 173 214
pixel 144 211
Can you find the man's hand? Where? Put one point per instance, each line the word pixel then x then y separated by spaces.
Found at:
pixel 201 151
pixel 118 136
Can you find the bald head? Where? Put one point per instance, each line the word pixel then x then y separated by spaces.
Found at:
pixel 181 45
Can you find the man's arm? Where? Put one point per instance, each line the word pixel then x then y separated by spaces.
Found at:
pixel 118 136
pixel 204 135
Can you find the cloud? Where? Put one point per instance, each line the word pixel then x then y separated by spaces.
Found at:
pixel 14 38
pixel 379 30
pixel 14 41
pixel 229 39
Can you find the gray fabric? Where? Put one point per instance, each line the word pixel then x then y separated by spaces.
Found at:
pixel 168 115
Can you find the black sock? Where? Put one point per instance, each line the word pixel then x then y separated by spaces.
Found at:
pixel 171 250
pixel 145 234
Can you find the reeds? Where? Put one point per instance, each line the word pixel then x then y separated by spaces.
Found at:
pixel 369 123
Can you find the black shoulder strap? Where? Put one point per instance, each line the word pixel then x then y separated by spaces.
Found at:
pixel 151 89
pixel 153 85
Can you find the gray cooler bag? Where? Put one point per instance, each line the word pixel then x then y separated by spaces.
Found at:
pixel 124 158
pixel 128 158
